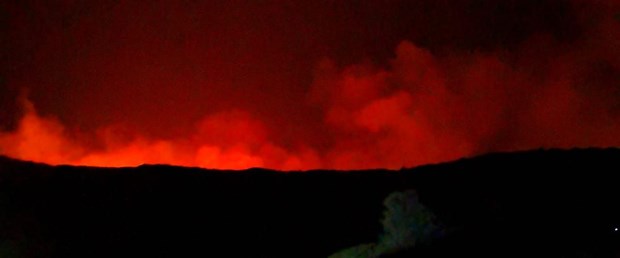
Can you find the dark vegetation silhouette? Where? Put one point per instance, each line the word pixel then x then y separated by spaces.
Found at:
pixel 406 223
pixel 540 203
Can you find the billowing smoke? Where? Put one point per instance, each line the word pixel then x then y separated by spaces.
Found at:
pixel 419 105
pixel 230 140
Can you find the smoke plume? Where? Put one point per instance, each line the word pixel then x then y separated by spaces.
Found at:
pixel 418 104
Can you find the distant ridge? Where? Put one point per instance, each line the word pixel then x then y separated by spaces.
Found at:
pixel 551 151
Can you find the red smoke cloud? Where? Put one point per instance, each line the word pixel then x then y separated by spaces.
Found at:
pixel 227 140
pixel 422 107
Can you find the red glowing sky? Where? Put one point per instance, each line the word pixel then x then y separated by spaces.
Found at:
pixel 304 84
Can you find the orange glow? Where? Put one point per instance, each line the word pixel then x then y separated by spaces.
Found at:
pixel 230 140
pixel 422 109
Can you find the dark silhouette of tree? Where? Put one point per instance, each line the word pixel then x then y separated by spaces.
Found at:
pixel 406 223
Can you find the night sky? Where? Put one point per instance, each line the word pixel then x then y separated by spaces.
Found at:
pixel 304 84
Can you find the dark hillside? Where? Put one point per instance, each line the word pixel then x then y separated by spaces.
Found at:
pixel 539 203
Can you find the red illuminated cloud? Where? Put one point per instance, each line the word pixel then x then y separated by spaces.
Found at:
pixel 192 106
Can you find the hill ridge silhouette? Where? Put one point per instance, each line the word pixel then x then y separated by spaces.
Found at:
pixel 549 202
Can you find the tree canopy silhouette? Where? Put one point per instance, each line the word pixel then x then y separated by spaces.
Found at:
pixel 406 223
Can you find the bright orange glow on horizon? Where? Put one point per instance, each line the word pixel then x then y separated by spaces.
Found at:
pixel 422 121
pixel 300 85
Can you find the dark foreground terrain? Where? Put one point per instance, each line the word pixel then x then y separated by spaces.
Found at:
pixel 529 204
